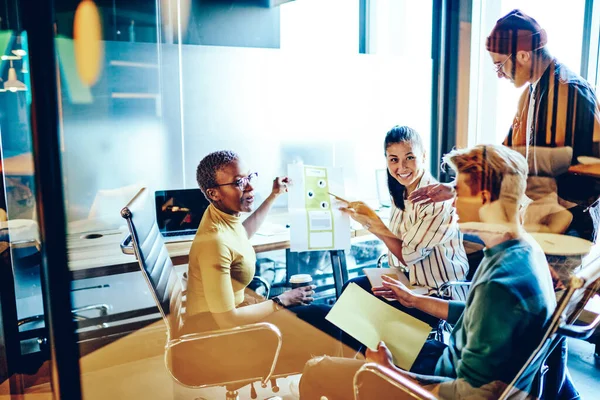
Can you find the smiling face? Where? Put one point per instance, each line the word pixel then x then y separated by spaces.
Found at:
pixel 406 163
pixel 232 199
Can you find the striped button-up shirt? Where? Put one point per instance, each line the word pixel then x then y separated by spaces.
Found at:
pixel 432 246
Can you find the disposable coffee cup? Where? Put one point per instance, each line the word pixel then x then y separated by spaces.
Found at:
pixel 300 280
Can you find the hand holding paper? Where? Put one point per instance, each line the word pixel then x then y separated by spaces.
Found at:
pixel 371 321
pixel 364 215
pixel 382 356
pixel 392 288
pixel 376 275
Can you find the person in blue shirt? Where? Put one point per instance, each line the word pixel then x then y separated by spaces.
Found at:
pixel 509 303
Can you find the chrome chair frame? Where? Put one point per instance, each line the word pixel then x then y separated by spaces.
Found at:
pixel 411 389
pixel 581 288
pixel 173 336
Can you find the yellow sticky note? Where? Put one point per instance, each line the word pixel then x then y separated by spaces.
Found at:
pixel 370 321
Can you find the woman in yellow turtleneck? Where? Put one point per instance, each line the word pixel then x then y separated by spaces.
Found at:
pixel 222 264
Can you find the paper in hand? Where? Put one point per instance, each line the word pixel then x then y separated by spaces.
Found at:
pixel 369 320
pixel 375 278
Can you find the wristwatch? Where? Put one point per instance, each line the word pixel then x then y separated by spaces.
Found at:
pixel 278 301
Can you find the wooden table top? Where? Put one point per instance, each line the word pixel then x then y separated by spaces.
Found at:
pixel 591 170
pixel 93 257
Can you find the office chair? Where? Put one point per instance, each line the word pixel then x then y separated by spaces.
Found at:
pixel 371 380
pixel 581 288
pixel 166 288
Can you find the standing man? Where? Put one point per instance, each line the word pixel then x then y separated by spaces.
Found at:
pixel 558 109
pixel 557 120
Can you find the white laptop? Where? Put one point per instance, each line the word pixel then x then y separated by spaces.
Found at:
pixel 178 213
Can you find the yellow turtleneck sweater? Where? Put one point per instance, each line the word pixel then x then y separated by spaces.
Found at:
pixel 222 264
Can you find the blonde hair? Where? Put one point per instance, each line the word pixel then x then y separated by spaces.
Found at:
pixel 494 168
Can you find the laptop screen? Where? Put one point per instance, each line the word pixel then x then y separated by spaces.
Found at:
pixel 179 211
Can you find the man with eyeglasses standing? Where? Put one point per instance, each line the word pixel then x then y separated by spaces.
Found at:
pixel 558 110
pixel 557 121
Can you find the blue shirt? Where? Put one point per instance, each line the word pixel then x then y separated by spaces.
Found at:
pixel 496 330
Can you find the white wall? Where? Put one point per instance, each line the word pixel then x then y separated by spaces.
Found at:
pixel 259 101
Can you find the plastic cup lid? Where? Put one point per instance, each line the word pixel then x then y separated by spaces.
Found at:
pixel 300 278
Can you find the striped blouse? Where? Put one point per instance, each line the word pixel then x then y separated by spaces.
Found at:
pixel 432 244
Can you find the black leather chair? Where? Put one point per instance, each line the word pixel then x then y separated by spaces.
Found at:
pixel 167 290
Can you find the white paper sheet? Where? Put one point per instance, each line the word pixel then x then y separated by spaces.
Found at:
pixel 315 223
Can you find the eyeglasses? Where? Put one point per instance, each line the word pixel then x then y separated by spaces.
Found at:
pixel 241 183
pixel 498 67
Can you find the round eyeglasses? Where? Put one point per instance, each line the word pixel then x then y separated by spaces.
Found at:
pixel 241 183
pixel 498 67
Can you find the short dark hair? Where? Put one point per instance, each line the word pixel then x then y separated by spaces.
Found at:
pixel 210 164
pixel 400 134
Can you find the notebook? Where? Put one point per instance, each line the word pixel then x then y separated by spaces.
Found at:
pixel 178 213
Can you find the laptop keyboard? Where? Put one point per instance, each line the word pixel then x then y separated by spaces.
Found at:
pixel 168 234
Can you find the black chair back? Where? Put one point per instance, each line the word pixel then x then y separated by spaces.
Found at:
pixel 154 260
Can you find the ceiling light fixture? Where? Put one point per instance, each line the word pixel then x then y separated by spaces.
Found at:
pixel 12 84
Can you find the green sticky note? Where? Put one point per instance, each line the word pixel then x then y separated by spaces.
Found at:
pixel 369 320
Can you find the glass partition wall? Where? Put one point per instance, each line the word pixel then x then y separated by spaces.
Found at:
pixel 145 90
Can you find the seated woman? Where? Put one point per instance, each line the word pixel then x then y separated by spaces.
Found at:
pixel 423 239
pixel 222 264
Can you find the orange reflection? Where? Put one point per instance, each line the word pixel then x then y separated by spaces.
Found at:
pixel 89 48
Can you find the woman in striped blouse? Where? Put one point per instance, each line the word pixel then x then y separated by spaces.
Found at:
pixel 424 241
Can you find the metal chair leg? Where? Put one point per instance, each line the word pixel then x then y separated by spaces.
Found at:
pixel 232 395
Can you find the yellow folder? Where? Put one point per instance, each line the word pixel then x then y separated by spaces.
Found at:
pixel 369 320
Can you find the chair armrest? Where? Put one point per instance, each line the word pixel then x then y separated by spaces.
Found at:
pixel 127 247
pixel 234 331
pixel 381 259
pixel 27 320
pixel 444 288
pixel 579 331
pixel 102 308
pixel 404 385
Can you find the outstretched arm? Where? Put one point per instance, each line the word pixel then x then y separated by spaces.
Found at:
pixel 254 221
pixel 394 289
pixel 433 193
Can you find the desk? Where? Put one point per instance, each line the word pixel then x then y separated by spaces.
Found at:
pixel 588 170
pixel 90 258
pixel 564 253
